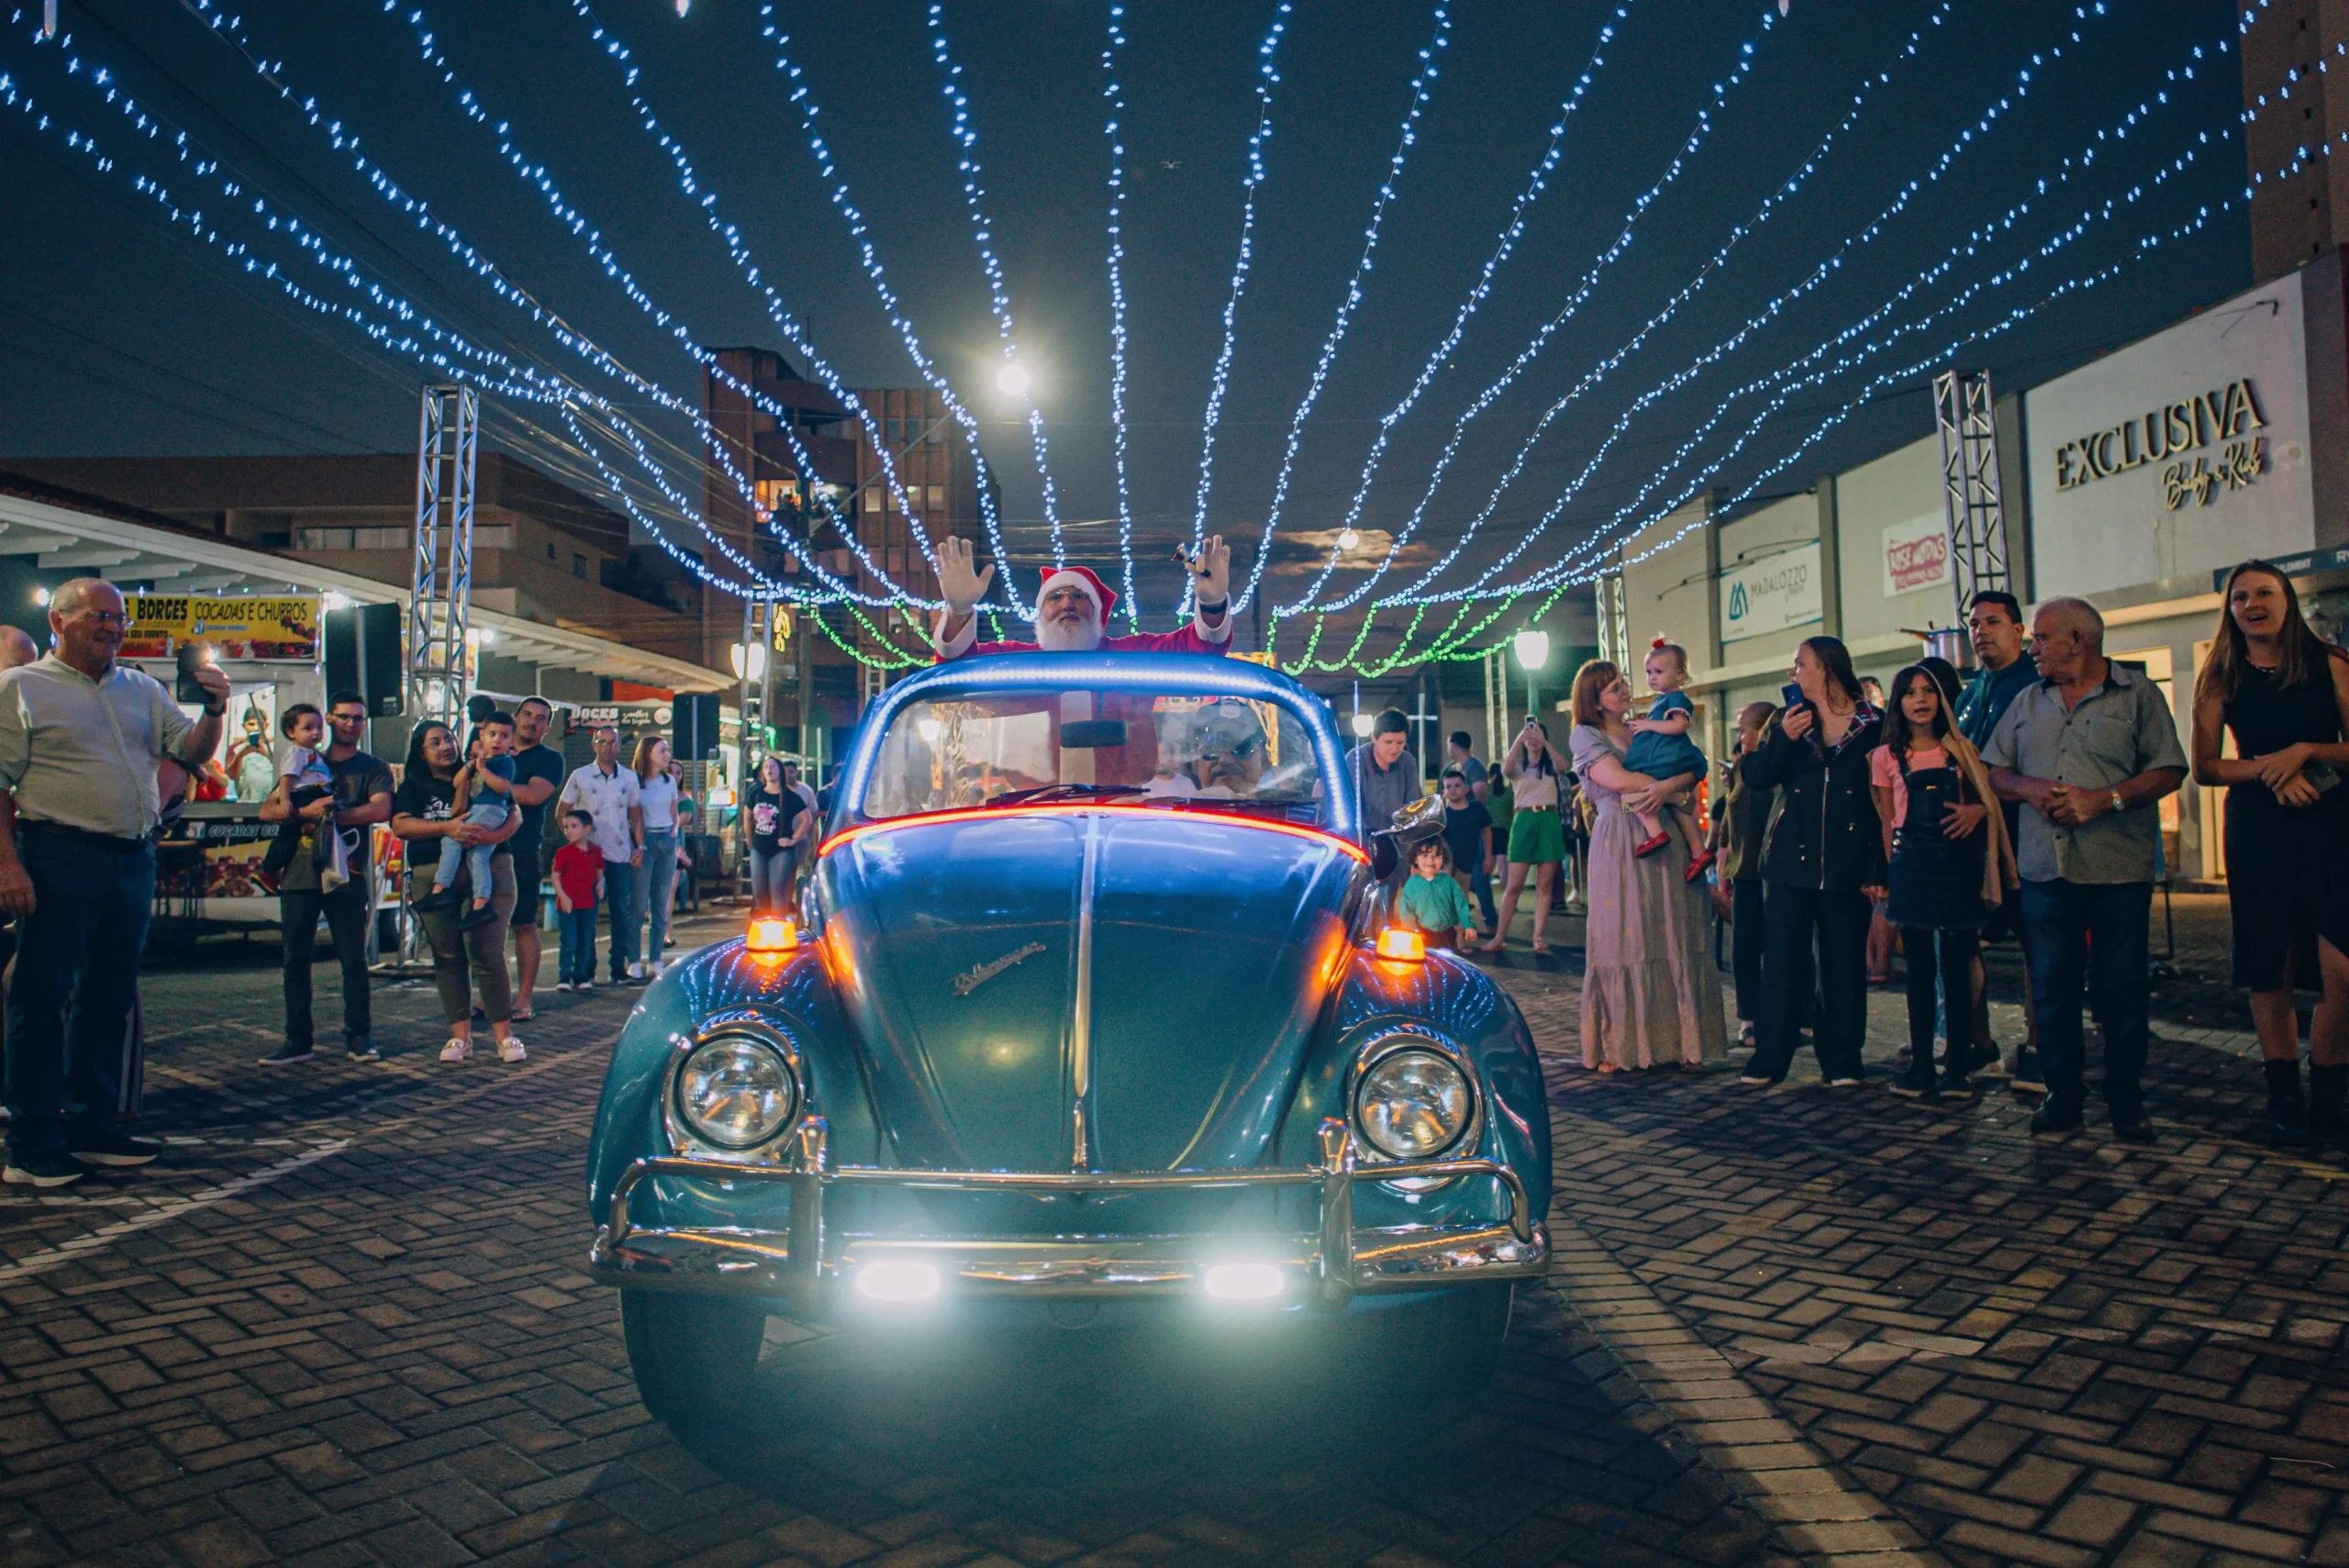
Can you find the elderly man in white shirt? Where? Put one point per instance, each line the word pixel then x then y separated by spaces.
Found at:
pixel 608 791
pixel 81 738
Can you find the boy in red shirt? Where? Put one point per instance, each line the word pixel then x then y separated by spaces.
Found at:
pixel 578 880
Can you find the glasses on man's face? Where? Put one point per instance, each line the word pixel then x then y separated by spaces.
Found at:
pixel 104 618
pixel 1242 750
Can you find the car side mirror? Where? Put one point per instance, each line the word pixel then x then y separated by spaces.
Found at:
pixel 1093 734
pixel 1420 821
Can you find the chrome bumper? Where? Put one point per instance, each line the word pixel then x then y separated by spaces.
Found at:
pixel 799 1264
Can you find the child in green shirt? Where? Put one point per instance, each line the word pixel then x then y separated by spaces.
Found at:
pixel 1433 902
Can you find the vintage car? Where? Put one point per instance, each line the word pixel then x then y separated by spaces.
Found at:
pixel 1089 1008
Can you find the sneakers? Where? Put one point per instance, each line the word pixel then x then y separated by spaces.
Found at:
pixel 563 985
pixel 113 1148
pixel 1988 1063
pixel 1954 1087
pixel 1916 1082
pixel 1746 1039
pixel 1842 1083
pixel 636 970
pixel 2056 1114
pixel 510 1050
pixel 2133 1126
pixel 1759 1081
pixel 586 985
pixel 2023 1070
pixel 358 1047
pixel 42 1168
pixel 287 1054
pixel 456 1050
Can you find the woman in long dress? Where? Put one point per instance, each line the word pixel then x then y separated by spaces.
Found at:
pixel 1650 994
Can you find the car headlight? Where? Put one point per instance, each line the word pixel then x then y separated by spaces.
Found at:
pixel 736 1091
pixel 1414 1102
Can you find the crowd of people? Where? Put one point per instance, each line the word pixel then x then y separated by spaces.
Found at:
pixel 96 757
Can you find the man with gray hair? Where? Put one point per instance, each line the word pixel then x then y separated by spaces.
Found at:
pixel 81 739
pixel 2089 747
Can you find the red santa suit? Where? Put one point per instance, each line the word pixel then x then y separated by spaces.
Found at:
pixel 1196 637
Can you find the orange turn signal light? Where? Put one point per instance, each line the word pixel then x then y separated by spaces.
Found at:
pixel 1402 946
pixel 772 933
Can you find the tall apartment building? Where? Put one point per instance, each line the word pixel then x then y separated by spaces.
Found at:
pixel 836 491
pixel 2295 93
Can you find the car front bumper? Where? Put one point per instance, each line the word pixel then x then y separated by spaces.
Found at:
pixel 803 1264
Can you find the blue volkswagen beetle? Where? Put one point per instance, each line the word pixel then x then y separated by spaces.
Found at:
pixel 1089 1008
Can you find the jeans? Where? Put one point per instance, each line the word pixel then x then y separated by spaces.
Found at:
pixel 345 915
pixel 2096 934
pixel 1955 973
pixel 620 882
pixel 1746 925
pixel 454 856
pixel 76 973
pixel 465 962
pixel 1794 918
pixel 771 876
pixel 650 888
pixel 576 928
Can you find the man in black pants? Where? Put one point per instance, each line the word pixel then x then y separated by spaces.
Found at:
pixel 361 795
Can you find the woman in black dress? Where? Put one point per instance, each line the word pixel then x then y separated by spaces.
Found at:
pixel 2284 692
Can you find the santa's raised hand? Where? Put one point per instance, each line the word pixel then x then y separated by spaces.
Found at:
pixel 958 585
pixel 1211 576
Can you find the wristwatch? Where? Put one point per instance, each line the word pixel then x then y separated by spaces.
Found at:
pixel 2118 805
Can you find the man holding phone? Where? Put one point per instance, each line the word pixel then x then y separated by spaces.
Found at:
pixel 81 738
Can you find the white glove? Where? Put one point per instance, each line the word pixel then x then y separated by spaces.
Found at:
pixel 1211 573
pixel 958 585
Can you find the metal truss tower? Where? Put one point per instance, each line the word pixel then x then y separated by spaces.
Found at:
pixel 1963 408
pixel 440 582
pixel 1614 622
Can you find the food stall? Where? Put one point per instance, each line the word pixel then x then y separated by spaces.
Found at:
pixel 206 862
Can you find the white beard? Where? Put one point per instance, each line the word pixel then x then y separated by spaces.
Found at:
pixel 1059 637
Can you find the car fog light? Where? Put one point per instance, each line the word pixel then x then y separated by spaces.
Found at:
pixel 1245 1282
pixel 898 1279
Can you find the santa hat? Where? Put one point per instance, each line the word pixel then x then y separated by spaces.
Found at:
pixel 1083 577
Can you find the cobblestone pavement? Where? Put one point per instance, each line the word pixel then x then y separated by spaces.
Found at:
pixel 344 1323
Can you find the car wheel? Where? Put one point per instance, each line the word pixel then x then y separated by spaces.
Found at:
pixel 692 1355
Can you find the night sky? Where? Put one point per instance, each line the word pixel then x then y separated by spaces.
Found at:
pixel 119 334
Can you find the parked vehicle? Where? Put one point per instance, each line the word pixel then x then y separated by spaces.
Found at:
pixel 1090 996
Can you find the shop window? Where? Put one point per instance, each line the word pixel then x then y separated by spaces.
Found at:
pixel 872 498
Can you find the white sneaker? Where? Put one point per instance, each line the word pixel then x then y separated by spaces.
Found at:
pixel 586 985
pixel 562 985
pixel 456 1050
pixel 510 1050
pixel 636 970
pixel 656 969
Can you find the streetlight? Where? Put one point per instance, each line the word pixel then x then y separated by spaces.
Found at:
pixel 1012 379
pixel 1362 724
pixel 750 660
pixel 1531 647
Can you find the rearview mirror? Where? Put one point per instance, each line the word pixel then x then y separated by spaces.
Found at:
pixel 1093 734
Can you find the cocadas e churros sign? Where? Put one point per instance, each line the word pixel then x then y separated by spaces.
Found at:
pixel 2228 414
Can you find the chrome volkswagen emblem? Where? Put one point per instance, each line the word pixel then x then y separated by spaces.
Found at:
pixel 970 980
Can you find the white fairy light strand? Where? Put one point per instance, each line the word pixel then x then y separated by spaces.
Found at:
pixel 1706 122
pixel 837 190
pixel 1266 79
pixel 982 230
pixel 1536 182
pixel 1116 97
pixel 389 189
pixel 1979 127
pixel 1429 67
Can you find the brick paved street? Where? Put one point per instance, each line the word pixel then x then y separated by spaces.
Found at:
pixel 345 1323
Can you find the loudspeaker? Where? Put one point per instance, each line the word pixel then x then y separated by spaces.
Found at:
pixel 694 734
pixel 363 645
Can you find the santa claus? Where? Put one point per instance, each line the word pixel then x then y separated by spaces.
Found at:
pixel 1072 610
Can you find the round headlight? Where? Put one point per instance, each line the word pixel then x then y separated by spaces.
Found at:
pixel 1413 1104
pixel 736 1091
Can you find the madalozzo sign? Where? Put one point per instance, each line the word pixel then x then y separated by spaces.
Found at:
pixel 2178 454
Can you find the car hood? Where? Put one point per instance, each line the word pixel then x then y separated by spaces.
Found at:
pixel 958 948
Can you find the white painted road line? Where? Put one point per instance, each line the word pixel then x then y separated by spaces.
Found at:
pixel 106 1236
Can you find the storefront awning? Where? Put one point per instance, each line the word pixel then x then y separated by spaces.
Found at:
pixel 171 558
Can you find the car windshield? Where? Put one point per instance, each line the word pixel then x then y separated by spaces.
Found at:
pixel 1172 748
